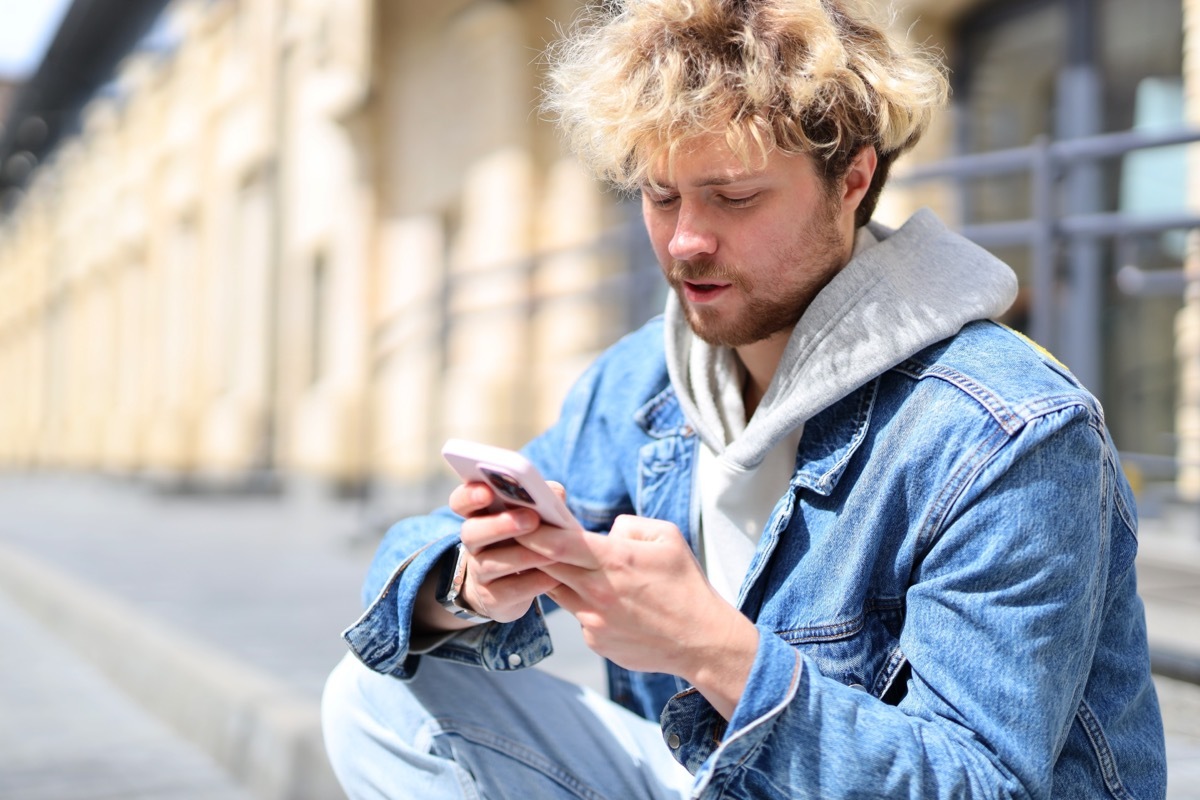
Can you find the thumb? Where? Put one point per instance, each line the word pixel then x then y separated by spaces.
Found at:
pixel 628 526
pixel 558 489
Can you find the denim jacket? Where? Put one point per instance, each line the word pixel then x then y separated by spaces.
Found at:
pixel 945 595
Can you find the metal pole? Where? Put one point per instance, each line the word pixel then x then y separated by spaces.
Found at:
pixel 1042 260
pixel 1079 117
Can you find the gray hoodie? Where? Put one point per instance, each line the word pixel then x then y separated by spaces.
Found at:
pixel 913 287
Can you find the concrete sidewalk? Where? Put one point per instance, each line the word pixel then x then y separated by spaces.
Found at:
pixel 219 618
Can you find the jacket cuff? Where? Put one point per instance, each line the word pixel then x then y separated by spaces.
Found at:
pixel 693 727
pixel 382 637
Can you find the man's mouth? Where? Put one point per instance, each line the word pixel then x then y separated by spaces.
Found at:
pixel 704 291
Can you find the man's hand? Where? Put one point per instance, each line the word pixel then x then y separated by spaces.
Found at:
pixel 644 603
pixel 502 576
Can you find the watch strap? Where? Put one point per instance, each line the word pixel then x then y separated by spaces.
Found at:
pixel 450 583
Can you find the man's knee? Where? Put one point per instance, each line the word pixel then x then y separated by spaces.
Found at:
pixel 342 708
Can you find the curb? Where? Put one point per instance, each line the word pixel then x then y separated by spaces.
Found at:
pixel 265 734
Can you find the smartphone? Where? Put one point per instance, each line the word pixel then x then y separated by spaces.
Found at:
pixel 513 477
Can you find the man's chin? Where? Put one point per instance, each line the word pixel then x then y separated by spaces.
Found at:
pixel 717 335
pixel 748 332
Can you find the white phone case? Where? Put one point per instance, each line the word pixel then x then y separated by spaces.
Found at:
pixel 515 480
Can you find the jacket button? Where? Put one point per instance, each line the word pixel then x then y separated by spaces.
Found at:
pixel 673 741
pixel 514 659
pixel 858 687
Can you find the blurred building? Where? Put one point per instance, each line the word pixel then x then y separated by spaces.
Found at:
pixel 311 239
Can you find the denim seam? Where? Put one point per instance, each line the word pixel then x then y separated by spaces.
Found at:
pixel 1005 416
pixel 1118 500
pixel 834 631
pixel 1103 752
pixel 862 418
pixel 1010 418
pixel 646 416
pixel 757 745
pixel 955 485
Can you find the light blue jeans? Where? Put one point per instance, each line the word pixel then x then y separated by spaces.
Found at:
pixel 458 731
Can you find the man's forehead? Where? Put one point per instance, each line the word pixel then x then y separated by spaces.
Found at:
pixel 705 161
pixel 712 162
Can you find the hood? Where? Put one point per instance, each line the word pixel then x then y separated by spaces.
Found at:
pixel 918 285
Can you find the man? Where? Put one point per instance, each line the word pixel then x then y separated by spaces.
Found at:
pixel 846 538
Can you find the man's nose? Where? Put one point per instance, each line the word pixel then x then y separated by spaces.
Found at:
pixel 693 236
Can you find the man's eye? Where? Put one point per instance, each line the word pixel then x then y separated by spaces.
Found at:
pixel 740 202
pixel 661 201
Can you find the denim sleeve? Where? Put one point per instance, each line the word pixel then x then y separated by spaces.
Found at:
pixel 381 637
pixel 1002 621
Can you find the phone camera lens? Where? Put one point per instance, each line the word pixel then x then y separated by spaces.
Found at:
pixel 508 487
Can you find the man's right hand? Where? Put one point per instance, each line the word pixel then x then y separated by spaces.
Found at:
pixel 502 577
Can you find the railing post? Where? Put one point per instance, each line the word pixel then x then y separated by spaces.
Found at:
pixel 1042 249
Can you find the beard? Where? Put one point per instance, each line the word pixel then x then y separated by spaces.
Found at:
pixel 765 310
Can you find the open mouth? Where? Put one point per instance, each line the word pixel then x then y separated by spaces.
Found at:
pixel 701 292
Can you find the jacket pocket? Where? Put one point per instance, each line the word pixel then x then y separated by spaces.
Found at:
pixel 862 651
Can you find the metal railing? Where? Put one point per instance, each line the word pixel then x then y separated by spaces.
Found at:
pixel 1047 162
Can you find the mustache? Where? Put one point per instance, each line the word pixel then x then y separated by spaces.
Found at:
pixel 679 272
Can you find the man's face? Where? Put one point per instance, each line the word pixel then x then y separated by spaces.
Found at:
pixel 745 249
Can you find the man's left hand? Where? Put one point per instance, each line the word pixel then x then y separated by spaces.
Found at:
pixel 644 603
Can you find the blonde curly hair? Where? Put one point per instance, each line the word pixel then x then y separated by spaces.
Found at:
pixel 636 79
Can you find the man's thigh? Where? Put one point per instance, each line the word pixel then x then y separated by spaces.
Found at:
pixel 456 731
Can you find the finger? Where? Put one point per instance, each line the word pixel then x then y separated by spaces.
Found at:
pixel 484 530
pixel 469 499
pixel 566 597
pixel 646 529
pixel 580 581
pixel 509 597
pixel 504 559
pixel 574 547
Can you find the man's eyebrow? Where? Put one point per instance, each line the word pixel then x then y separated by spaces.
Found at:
pixel 723 180
pixel 715 180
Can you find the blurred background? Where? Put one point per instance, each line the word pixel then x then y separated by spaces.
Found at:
pixel 260 258
pixel 269 241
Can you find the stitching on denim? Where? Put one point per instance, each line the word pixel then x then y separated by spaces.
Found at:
pixel 1011 418
pixel 862 416
pixel 833 631
pixel 1118 499
pixel 824 633
pixel 741 762
pixel 892 669
pixel 646 417
pixel 1103 752
pixel 956 485
pixel 1005 416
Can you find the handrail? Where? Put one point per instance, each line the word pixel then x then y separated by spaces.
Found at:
pixel 1046 162
pixel 1020 159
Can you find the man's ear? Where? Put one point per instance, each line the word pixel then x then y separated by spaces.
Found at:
pixel 858 177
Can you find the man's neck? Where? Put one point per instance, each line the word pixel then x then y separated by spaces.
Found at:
pixel 761 359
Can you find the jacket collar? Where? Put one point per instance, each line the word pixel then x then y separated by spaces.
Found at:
pixel 830 438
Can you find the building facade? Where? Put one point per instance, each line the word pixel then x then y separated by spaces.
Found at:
pixel 314 239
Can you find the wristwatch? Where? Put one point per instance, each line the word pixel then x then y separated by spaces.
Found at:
pixel 450 583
